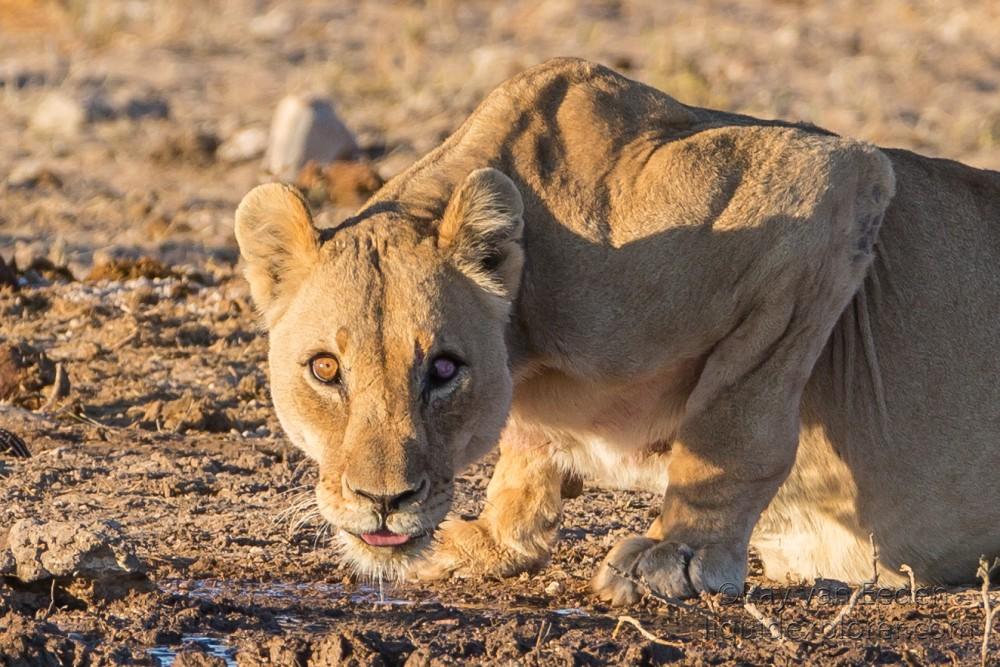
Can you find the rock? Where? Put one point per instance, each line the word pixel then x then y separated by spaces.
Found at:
pixel 246 144
pixel 186 145
pixel 26 642
pixel 288 650
pixel 342 183
pixel 192 334
pixel 195 655
pixel 25 253
pixel 8 566
pixel 90 561
pixel 150 105
pixel 120 269
pixel 421 657
pixel 343 649
pixel 8 274
pixel 25 371
pixel 64 549
pixel 59 114
pixel 304 129
pixel 186 413
pixel 65 115
pixel 31 174
pixel 554 588
pixel 276 23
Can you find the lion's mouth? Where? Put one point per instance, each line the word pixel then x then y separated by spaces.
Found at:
pixel 385 538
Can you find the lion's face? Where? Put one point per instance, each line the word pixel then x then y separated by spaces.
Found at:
pixel 387 358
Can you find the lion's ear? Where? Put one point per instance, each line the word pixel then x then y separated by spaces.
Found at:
pixel 482 228
pixel 278 242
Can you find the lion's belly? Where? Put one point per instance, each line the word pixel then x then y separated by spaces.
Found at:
pixel 618 435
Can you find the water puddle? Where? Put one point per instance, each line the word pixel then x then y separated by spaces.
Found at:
pixel 571 612
pixel 165 655
pixel 297 606
pixel 282 592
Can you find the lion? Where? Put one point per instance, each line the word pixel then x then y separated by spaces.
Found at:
pixel 798 331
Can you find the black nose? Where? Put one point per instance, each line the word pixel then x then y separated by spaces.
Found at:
pixel 388 503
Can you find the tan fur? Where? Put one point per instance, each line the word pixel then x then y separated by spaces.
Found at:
pixel 640 290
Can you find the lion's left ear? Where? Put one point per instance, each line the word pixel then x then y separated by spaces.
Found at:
pixel 482 228
pixel 279 245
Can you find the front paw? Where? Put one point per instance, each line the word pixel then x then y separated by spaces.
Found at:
pixel 469 549
pixel 671 569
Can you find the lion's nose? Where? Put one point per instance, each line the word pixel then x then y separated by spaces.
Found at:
pixel 386 503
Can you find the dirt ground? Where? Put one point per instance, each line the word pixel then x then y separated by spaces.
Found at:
pixel 138 381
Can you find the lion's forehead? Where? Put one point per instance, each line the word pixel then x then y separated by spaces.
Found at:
pixel 378 307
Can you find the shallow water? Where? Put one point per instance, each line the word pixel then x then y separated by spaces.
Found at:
pixel 293 605
pixel 211 589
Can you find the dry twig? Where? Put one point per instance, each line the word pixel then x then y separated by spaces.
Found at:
pixel 643 631
pixel 60 388
pixel 906 569
pixel 770 625
pixel 856 595
pixel 544 628
pixel 52 598
pixel 984 572
pixel 117 345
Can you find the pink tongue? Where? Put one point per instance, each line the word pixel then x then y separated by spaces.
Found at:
pixel 385 538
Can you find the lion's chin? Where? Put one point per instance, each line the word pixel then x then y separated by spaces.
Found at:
pixel 390 563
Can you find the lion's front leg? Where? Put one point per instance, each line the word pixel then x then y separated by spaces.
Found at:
pixel 518 526
pixel 699 543
pixel 733 450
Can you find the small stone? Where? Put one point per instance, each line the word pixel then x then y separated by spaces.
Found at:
pixel 304 129
pixel 192 334
pixel 194 655
pixel 150 105
pixel 189 413
pixel 8 566
pixel 186 145
pixel 554 588
pixel 59 114
pixel 8 274
pixel 25 254
pixel 246 144
pixel 31 174
pixel 276 23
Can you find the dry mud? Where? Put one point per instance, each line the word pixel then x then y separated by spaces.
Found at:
pixel 131 367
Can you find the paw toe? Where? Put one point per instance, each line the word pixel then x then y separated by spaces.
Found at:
pixel 611 583
pixel 665 569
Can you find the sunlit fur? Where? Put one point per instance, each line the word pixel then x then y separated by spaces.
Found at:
pixel 798 329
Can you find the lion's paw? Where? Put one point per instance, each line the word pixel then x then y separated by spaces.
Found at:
pixel 468 549
pixel 670 569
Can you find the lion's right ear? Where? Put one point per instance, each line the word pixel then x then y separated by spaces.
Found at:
pixel 279 245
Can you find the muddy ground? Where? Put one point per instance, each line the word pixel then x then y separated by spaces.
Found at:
pixel 119 220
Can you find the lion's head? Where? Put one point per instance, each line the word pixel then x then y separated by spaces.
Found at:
pixel 388 363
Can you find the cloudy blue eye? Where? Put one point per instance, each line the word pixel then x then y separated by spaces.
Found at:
pixel 443 369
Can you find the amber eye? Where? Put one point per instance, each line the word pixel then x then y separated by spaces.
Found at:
pixel 325 368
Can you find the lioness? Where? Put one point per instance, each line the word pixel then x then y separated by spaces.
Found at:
pixel 800 331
